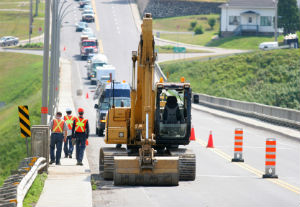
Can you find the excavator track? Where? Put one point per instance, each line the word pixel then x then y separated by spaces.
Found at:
pixel 106 161
pixel 187 164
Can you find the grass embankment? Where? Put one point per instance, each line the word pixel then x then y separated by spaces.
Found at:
pixel 267 77
pixel 16 23
pixel 172 23
pixel 170 49
pixel 21 81
pixel 35 191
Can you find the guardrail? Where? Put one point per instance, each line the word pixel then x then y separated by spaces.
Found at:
pixel 271 114
pixel 16 186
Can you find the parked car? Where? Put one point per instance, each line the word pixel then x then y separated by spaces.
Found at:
pixel 268 45
pixel 88 16
pixel 81 26
pixel 8 41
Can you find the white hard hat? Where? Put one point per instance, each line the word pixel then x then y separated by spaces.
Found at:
pixel 68 109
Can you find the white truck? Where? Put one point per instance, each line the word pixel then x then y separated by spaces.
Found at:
pixel 105 73
pixel 97 60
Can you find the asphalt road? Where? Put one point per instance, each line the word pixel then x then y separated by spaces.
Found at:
pixel 218 182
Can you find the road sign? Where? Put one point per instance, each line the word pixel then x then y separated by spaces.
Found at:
pixel 158 34
pixel 40 30
pixel 24 121
pixel 179 49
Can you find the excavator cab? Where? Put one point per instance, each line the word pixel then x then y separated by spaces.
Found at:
pixel 173 118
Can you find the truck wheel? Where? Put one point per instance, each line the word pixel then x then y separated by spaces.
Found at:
pixel 101 133
pixel 97 131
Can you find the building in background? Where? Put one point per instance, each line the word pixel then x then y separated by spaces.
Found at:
pixel 248 17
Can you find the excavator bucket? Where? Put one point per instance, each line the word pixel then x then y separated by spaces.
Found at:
pixel 128 172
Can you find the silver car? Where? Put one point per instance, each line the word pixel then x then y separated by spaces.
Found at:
pixel 8 41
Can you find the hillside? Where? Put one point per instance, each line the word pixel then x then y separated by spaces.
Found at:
pixel 20 85
pixel 267 77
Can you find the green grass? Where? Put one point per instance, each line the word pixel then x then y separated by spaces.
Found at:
pixel 169 49
pixel 17 24
pixel 267 77
pixel 170 24
pixel 35 191
pixel 21 80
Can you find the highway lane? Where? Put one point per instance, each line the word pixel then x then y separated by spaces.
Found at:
pixel 219 182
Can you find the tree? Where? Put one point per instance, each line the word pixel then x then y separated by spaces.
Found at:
pixel 288 16
pixel 212 22
pixel 198 30
pixel 193 24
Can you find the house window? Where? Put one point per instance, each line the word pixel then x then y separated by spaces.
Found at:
pixel 250 20
pixel 234 20
pixel 265 21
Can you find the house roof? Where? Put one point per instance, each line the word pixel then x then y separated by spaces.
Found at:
pixel 250 3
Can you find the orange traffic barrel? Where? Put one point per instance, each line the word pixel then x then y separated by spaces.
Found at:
pixel 270 158
pixel 238 146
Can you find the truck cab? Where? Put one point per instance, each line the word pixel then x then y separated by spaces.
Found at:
pixel 111 94
pixel 88 46
pixel 97 60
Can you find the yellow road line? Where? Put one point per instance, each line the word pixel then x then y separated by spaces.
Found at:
pixel 97 26
pixel 251 169
pixel 96 16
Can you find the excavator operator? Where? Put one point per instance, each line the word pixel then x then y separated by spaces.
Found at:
pixel 171 113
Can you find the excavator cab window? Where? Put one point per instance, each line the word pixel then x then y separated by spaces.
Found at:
pixel 172 113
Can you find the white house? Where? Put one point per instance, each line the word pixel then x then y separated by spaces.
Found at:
pixel 247 17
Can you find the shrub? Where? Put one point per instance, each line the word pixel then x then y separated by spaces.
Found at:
pixel 198 30
pixel 212 22
pixel 193 24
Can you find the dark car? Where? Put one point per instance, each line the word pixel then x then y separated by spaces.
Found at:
pixel 84 2
pixel 8 41
pixel 81 26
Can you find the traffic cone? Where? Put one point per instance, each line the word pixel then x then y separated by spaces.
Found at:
pixel 192 137
pixel 64 48
pixel 86 142
pixel 87 95
pixel 210 143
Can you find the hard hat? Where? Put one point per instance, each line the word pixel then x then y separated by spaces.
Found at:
pixel 68 109
pixel 80 110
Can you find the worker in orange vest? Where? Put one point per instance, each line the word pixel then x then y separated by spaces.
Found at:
pixel 68 146
pixel 58 135
pixel 80 132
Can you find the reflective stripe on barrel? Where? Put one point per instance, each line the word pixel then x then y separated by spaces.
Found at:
pixel 270 152
pixel 238 140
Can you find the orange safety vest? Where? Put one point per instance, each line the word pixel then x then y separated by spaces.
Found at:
pixel 58 125
pixel 80 124
pixel 69 121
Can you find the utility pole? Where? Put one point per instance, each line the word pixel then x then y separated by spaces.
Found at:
pixel 36 8
pixel 45 64
pixel 53 57
pixel 276 19
pixel 30 21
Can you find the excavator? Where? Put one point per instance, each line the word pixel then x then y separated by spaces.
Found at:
pixel 152 128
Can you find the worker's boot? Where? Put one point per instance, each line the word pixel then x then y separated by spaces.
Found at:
pixel 51 162
pixel 70 155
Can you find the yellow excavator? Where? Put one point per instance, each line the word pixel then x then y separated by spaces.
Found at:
pixel 158 121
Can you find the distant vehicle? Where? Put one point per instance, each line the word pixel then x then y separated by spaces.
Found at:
pixel 88 46
pixel 81 26
pixel 97 60
pixel 82 3
pixel 105 73
pixel 87 7
pixel 88 16
pixel 88 31
pixel 117 94
pixel 8 41
pixel 268 45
